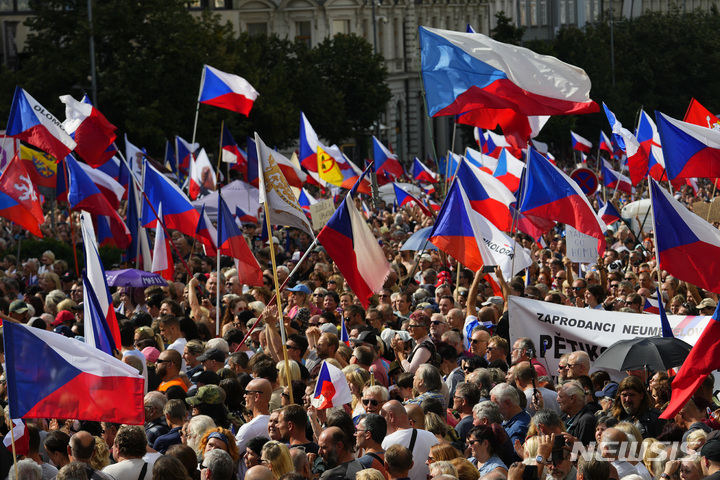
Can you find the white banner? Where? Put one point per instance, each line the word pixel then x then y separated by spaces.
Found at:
pixel 559 329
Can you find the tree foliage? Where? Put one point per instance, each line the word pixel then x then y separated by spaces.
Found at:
pixel 149 56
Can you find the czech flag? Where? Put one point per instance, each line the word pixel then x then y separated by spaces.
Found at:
pixel 230 150
pixel 305 200
pixel 509 170
pixel 184 151
pixel 484 162
pixel 704 357
pixel 651 306
pixel 649 138
pixel 232 243
pixel 605 143
pixel 637 158
pixel 458 231
pixel 685 241
pixel 422 173
pixel 608 213
pixel 21 436
pixel 615 180
pixel 309 144
pixel 344 337
pixel 404 198
pixel 580 143
pixel 690 150
pixel 83 383
pixel 331 389
pixel 347 239
pixel 31 122
pixel 226 90
pixel 101 325
pixel 162 262
pixel 90 129
pixel 244 217
pixel 178 213
pixel 19 201
pixel 549 193
pixel 207 233
pixel 252 164
pixel 385 160
pixel 465 71
pixel 487 195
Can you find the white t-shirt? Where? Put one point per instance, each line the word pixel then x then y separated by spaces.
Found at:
pixel 421 450
pixel 258 426
pixel 129 469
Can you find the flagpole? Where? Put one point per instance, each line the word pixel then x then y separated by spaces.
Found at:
pixel 188 271
pixel 711 200
pixel 217 173
pixel 72 227
pixel 12 439
pixel 427 114
pixel 278 299
pixel 217 280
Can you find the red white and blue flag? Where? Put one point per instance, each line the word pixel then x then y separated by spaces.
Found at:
pixel 226 90
pixel 202 178
pixel 651 306
pixel 649 138
pixel 509 170
pixel 184 151
pixel 690 150
pixel 422 173
pixel 331 389
pixel 580 143
pixel 232 243
pixel 548 193
pixel 179 213
pixel 406 198
pixel 615 180
pixel 348 241
pixel 487 195
pixel 305 200
pixel 344 337
pixel 245 217
pixel 637 158
pixel 31 122
pixel 230 150
pixel 207 233
pixel 605 143
pixel 466 71
pixel 608 213
pixel 21 437
pixel 704 357
pixel 684 241
pixel 84 383
pixel 90 129
pixel 101 325
pixel 385 160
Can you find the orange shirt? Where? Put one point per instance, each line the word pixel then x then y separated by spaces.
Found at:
pixel 165 385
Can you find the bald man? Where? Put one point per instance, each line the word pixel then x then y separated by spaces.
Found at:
pixel 257 400
pixel 400 432
pixel 578 365
pixel 258 472
pixel 82 449
pixel 336 451
pixel 416 415
pixel 612 444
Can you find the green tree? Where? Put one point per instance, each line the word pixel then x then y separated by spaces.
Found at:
pixel 505 31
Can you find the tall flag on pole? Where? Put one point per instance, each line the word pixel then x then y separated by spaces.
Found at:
pixel 649 138
pixel 184 151
pixel 704 357
pixel 465 71
pixel 274 189
pixel 230 150
pixel 179 213
pixel 605 143
pixel 615 180
pixel 226 90
pixel 232 243
pixel 684 241
pixel 550 194
pixel 608 213
pixel 385 160
pixel 101 325
pixel 347 239
pixel 202 176
pixel 84 383
pixel 31 122
pixel 580 143
pixel 637 157
pixel 207 233
pixel 406 198
pixel 690 150
pixel 90 129
pixel 422 173
pixel 699 115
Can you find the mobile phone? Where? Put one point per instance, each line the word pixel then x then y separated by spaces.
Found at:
pixel 489 268
pixel 530 472
pixel 559 443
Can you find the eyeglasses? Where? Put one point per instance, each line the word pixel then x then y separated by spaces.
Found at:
pixel 562 367
pixel 292 347
pixel 203 467
pixel 163 361
pixel 490 349
pixel 368 401
pixel 415 326
pixel 286 395
pixel 317 294
pixel 577 289
pixel 476 340
pixel 473 442
pixel 572 365
pixel 614 285
pixel 437 322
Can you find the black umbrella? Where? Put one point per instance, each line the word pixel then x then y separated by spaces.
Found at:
pixel 653 353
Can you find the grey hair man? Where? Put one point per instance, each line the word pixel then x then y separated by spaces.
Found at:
pixel 27 470
pixel 516 420
pixel 217 465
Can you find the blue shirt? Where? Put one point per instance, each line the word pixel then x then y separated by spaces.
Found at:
pixel 517 426
pixel 166 441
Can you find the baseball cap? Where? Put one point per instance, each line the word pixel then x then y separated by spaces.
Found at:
pixel 210 394
pixel 18 306
pixel 300 287
pixel 707 302
pixel 212 354
pixel 258 328
pixel 328 328
pixel 296 256
pixel 711 450
pixel 494 301
pixel 609 391
pixel 366 337
pixel 63 317
pixel 151 354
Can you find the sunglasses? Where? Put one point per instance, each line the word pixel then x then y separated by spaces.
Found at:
pixel 437 322
pixel 367 401
pixel 577 289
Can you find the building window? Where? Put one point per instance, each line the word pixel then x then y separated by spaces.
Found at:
pixel 341 26
pixel 211 4
pixel 542 13
pixel 14 5
pixel 533 13
pixel 257 28
pixel 303 33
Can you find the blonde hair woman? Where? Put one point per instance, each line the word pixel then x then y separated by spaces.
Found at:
pixel 282 375
pixel 276 457
pixel 357 378
pixel 369 474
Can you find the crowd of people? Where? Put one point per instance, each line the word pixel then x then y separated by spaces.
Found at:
pixel 439 389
